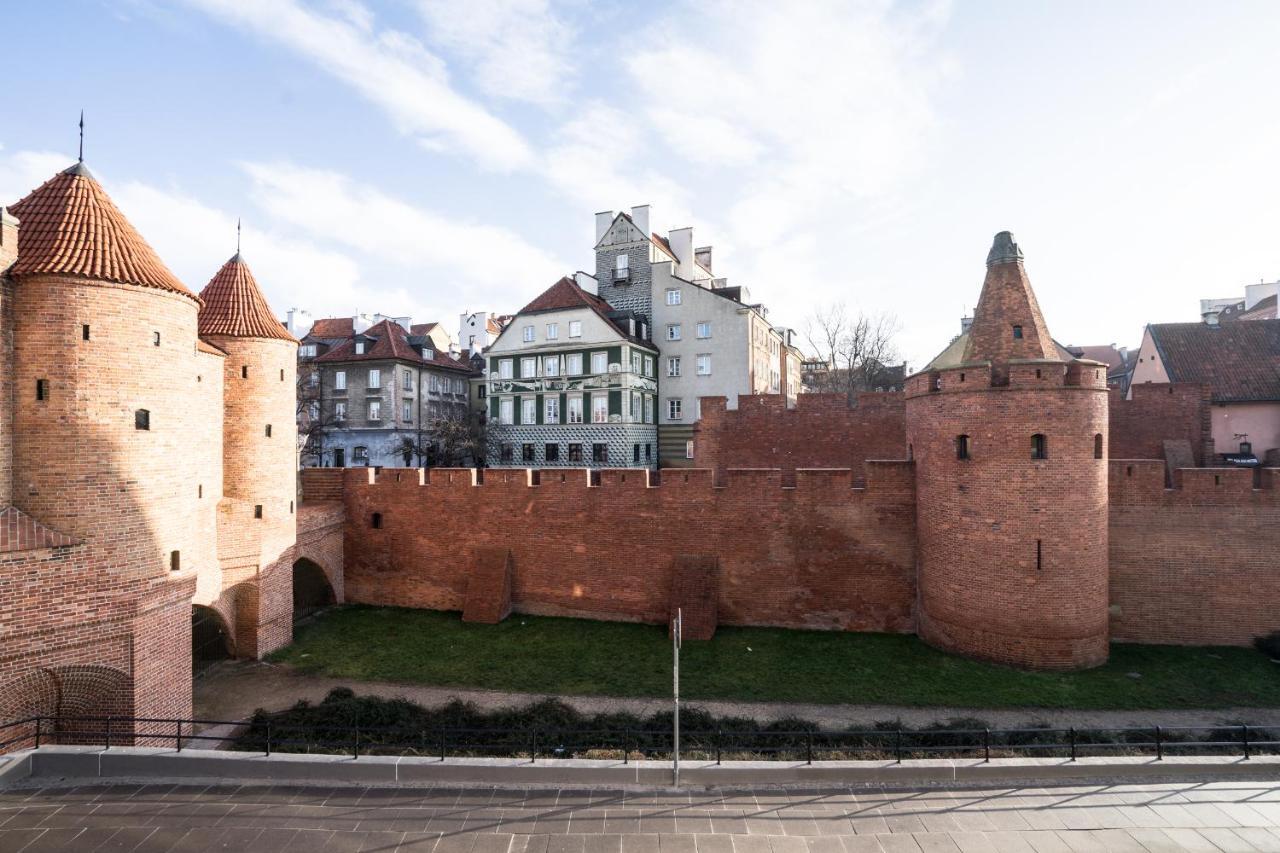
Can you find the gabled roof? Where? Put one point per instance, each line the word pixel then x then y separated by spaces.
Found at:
pixel 332 328
pixel 1240 362
pixel 1007 305
pixel 565 295
pixel 1264 309
pixel 656 239
pixel 389 340
pixel 21 532
pixel 71 227
pixel 234 306
pixel 204 346
pixel 422 328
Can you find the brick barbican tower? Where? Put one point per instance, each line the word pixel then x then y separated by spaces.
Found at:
pixel 259 440
pixel 1008 434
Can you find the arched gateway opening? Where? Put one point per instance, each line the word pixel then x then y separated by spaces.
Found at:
pixel 210 639
pixel 311 590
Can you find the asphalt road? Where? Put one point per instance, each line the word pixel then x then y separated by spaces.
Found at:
pixel 1211 817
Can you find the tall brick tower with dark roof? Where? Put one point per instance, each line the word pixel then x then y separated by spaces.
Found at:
pixel 1007 431
pixel 259 440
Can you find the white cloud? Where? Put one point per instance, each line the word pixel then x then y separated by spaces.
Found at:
pixel 389 68
pixel 518 49
pixel 23 171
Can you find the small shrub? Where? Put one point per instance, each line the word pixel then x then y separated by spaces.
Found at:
pixel 1269 645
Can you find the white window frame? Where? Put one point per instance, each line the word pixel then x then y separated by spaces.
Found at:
pixel 702 364
pixel 673 332
pixel 506 368
pixel 637 363
pixel 673 366
pixel 553 331
pixel 340 410
pixel 599 416
pixel 573 364
pixel 375 378
pixel 340 380
pixel 601 359
pixel 573 409
pixel 359 347
pixel 648 366
pixel 621 262
pixel 675 409
pixel 528 410
pixel 673 296
pixel 575 328
pixel 528 333
pixel 688 448
pixel 704 329
pixel 375 410
pixel 551 365
pixel 551 409
pixel 506 410
pixel 637 407
pixel 407 382
pixel 525 373
pixel 407 412
pixel 648 409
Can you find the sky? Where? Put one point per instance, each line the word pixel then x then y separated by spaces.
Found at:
pixel 432 157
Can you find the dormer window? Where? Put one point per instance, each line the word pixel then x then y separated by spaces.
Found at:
pixel 1017 333
pixel 359 347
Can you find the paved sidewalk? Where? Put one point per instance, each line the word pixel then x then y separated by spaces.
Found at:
pixel 1211 817
pixel 234 690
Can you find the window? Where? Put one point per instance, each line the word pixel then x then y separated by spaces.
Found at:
pixel 673 365
pixel 620 264
pixel 551 452
pixel 360 454
pixel 599 362
pixel 600 453
pixel 200 490
pixel 507 452
pixel 637 407
pixel 506 410
pixel 528 368
pixel 268 430
pixel 433 383
pixel 307 350
pixel 528 334
pixel 673 332
pixel 551 365
pixel 573 364
pixel 575 452
pixel 1039 447
pixel 282 374
pixel 175 561
pixel 648 365
pixel 553 331
pixel 359 347
pixel 155 338
pixel 636 362
pixel 505 369
pixel 648 410
pixel 704 329
pixel 375 378
pixel 407 413
pixel 375 521
pixel 375 410
pixel 340 410
pixel 313 410
pixel 635 453
pixel 526 452
pixel 703 366
pixel 674 408
pixel 575 409
pixel 407 383
pixel 1017 333
pixel 340 380
pixel 142 419
pixel 962 447
pixel 673 296
pixel 244 371
pixel 42 389
pixel 339 457
pixel 313 378
pixel 528 410
pixel 600 408
pixel 1097 446
pixel 551 409
pixel 688 449
pixel 648 453
pixel 575 328
pixel 257 510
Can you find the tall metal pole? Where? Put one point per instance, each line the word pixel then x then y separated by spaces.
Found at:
pixel 676 626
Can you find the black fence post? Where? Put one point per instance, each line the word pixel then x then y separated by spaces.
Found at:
pixel 1244 739
pixel 533 752
pixel 719 741
pixel 355 747
pixel 268 738
pixel 443 731
pixel 177 739
pixel 1073 743
pixel 986 746
pixel 626 746
pixel 38 732
pixel 108 733
pixel 1159 746
pixel 808 748
pixel 897 746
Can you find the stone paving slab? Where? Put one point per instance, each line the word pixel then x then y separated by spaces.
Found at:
pixel 1145 818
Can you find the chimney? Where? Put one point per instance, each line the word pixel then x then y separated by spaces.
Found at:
pixel 8 239
pixel 703 256
pixel 587 282
pixel 640 216
pixel 360 322
pixel 681 240
pixel 1211 316
pixel 603 220
pixel 966 323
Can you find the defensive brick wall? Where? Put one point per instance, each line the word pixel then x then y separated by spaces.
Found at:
pixel 603 545
pixel 1195 564
pixel 1158 413
pixel 821 431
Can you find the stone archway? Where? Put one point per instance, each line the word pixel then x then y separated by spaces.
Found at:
pixel 311 589
pixel 211 639
pixel 76 699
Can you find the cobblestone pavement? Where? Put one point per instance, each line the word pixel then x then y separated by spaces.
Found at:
pixel 1231 816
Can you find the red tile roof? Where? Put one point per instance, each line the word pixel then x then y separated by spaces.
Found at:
pixel 71 227
pixel 204 346
pixel 566 294
pixel 1240 362
pixel 332 328
pixel 422 328
pixel 390 340
pixel 234 306
pixel 21 532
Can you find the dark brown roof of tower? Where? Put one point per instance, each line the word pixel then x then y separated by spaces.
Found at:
pixel 71 227
pixel 1238 361
pixel 1007 302
pixel 235 307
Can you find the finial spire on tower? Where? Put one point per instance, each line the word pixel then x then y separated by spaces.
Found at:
pixel 81 136
pixel 237 236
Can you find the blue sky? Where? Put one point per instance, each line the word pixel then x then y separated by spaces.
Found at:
pixel 427 157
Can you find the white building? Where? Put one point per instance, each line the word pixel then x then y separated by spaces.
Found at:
pixel 713 342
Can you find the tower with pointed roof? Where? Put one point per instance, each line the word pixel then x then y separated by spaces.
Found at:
pixel 259 440
pixel 1007 430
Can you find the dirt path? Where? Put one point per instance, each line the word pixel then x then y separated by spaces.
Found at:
pixel 234 690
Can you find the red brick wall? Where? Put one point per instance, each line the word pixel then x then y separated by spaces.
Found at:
pixel 1157 412
pixel 822 431
pixel 819 555
pixel 1013 551
pixel 6 389
pixel 1195 564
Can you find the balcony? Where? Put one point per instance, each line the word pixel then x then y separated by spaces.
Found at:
pixel 623 274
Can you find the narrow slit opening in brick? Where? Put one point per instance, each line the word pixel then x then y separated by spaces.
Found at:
pixel 257 510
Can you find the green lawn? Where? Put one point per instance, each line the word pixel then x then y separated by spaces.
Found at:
pixel 576 656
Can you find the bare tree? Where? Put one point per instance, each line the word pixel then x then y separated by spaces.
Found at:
pixel 314 422
pixel 454 440
pixel 856 348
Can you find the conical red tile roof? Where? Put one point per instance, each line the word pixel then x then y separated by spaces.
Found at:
pixel 234 306
pixel 71 227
